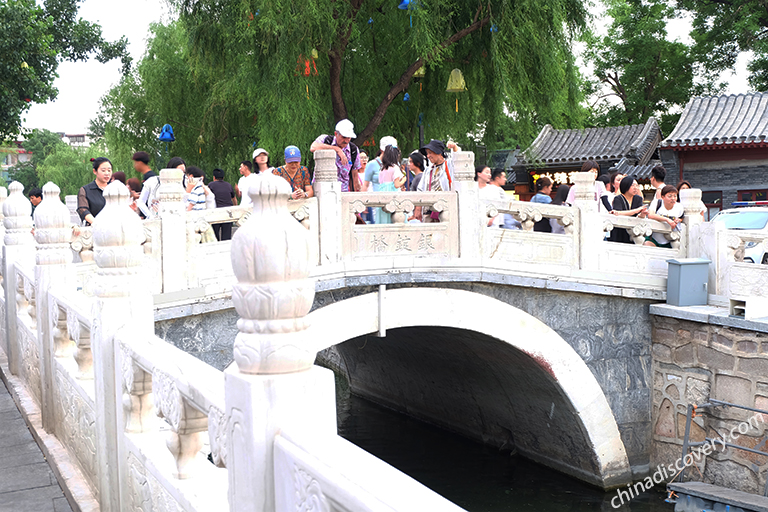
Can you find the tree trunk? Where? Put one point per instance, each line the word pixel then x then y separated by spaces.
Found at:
pixel 402 84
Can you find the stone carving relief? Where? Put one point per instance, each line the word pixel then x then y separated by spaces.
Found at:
pixel 218 425
pixel 145 492
pixel 62 345
pixel 30 360
pixel 137 397
pixel 186 422
pixel 309 495
pixel 83 244
pixel 81 337
pixel 29 294
pixel 77 427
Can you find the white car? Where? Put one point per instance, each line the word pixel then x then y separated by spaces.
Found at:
pixel 753 219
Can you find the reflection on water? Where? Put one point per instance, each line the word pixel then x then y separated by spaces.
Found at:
pixel 475 477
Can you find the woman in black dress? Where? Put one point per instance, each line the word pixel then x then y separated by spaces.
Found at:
pixel 90 199
pixel 627 204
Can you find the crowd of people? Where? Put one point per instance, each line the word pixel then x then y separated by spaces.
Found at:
pixel 430 169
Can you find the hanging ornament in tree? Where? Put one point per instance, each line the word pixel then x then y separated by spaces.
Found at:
pixel 307 67
pixel 456 84
pixel 200 142
pixel 166 135
pixel 494 28
pixel 408 5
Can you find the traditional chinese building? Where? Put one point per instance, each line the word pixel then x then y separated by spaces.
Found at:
pixel 719 145
pixel 557 153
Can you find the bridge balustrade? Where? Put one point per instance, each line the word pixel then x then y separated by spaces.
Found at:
pixel 78 347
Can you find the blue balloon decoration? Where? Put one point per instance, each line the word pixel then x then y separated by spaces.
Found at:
pixel 407 97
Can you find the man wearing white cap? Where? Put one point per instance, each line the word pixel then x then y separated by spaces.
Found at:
pixel 347 154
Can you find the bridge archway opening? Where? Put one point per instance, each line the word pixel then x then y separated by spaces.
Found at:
pixel 482 368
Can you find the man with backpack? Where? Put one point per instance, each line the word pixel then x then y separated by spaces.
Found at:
pixel 347 154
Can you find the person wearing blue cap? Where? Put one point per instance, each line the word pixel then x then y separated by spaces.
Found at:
pixel 295 174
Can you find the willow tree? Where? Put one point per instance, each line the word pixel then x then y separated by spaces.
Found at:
pixel 283 72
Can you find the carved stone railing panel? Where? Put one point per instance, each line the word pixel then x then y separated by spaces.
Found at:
pixel 154 384
pixel 638 228
pixel 307 478
pixel 400 239
pixel 28 290
pixel 63 346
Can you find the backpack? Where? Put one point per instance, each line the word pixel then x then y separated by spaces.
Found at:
pixel 353 152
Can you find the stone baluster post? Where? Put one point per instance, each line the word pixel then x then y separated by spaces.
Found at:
pixel 173 218
pixel 273 384
pixel 18 245
pixel 694 207
pixel 53 269
pixel 123 299
pixel 3 197
pixel 470 214
pixel 328 192
pixel 591 223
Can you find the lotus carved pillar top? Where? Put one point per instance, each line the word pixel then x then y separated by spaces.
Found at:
pixel 273 293
pixel 117 237
pixel 17 217
pixel 52 228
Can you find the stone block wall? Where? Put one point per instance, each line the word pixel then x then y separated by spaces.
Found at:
pixel 693 362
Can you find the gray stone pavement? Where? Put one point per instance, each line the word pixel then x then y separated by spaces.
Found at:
pixel 27 483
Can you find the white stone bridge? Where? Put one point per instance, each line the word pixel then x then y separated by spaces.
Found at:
pixel 536 340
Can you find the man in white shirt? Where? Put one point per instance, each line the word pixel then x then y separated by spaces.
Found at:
pixel 248 177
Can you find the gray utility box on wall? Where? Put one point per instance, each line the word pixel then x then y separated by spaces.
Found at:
pixel 687 282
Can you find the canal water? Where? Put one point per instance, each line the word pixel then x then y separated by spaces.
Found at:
pixel 475 477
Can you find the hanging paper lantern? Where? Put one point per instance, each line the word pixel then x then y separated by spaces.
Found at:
pixel 24 65
pixel 456 84
pixel 306 67
pixel 370 21
pixel 407 97
pixel 405 4
pixel 494 28
pixel 420 73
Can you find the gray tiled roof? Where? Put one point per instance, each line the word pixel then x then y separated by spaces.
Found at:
pixel 553 147
pixel 721 120
pixel 640 172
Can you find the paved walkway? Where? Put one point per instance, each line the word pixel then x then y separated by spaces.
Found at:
pixel 27 483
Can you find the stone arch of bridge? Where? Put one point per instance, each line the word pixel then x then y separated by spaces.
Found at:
pixel 478 366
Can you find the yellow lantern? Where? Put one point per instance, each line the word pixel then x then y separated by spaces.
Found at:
pixel 420 73
pixel 456 84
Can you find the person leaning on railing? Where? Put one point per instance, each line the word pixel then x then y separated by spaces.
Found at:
pixel 669 211
pixel 628 203
pixel 295 174
pixel 90 198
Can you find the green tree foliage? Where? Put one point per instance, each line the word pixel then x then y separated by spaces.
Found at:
pixel 236 72
pixel 33 40
pixel 41 143
pixel 724 28
pixel 70 167
pixel 638 72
